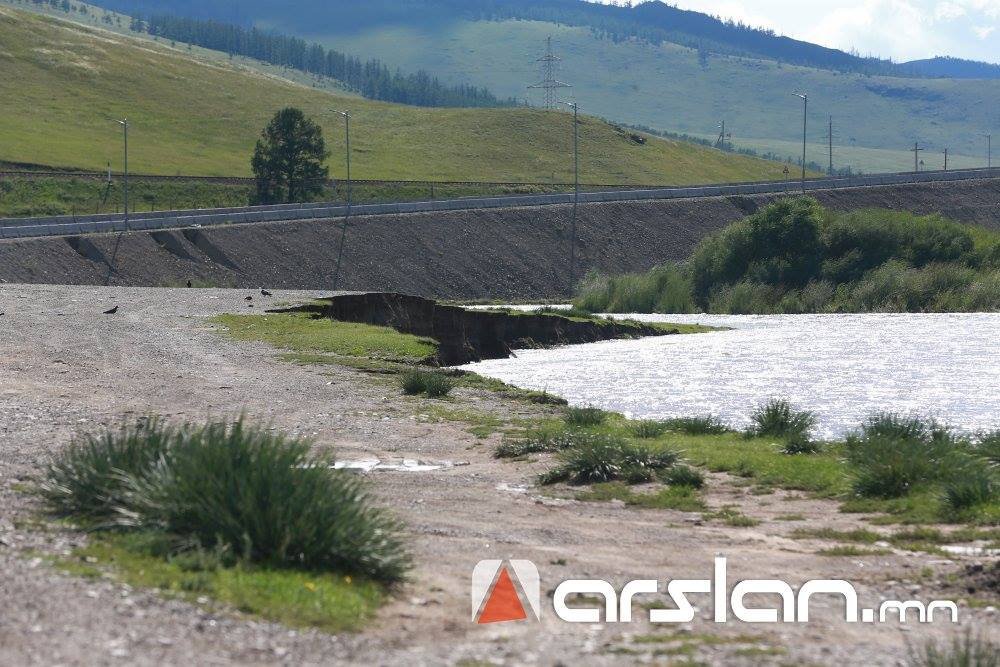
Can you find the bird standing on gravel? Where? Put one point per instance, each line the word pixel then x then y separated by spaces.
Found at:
pixel 112 311
pixel 264 292
pixel 249 298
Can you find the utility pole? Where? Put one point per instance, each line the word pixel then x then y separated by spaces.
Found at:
pixel 549 83
pixel 805 116
pixel 124 123
pixel 946 159
pixel 576 193
pixel 723 137
pixel 916 150
pixel 829 135
pixel 989 152
pixel 343 227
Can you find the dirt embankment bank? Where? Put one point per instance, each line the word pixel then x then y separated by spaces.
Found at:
pixel 503 254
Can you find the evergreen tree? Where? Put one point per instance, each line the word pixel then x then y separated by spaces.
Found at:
pixel 288 159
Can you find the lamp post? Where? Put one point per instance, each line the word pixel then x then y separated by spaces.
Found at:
pixel 576 193
pixel 343 228
pixel 124 123
pixel 805 115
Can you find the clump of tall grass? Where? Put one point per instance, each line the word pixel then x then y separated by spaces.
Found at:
pixel 648 429
pixel 800 443
pixel 988 447
pixel 229 486
pixel 893 454
pixel 607 458
pixel 969 486
pixel 683 475
pixel 585 416
pixel 89 479
pixel 432 383
pixel 776 418
pixel 664 289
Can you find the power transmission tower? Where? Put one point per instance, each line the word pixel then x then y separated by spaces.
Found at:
pixel 550 62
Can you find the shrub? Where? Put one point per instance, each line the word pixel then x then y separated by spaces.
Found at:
pixel 707 425
pixel 664 289
pixel 777 419
pixel 88 478
pixel 232 487
pixel 682 475
pixel 586 416
pixel 434 384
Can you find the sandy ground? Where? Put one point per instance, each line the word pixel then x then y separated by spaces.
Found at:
pixel 64 367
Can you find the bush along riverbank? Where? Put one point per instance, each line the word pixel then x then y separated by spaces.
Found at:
pixel 901 469
pixel 794 256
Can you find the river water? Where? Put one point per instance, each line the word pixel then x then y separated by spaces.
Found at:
pixel 841 367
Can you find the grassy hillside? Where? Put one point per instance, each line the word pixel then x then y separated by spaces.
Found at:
pixel 65 83
pixel 667 87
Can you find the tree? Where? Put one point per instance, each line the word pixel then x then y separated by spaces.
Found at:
pixel 288 159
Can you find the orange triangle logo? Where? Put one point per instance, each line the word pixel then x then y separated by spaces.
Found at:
pixel 503 604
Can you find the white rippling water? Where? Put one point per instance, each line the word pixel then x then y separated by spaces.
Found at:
pixel 841 367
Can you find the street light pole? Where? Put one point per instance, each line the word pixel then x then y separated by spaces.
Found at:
pixel 805 117
pixel 124 124
pixel 576 193
pixel 343 228
pixel 989 153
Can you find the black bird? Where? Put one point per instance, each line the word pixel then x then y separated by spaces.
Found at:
pixel 265 292
pixel 249 298
pixel 189 283
pixel 112 311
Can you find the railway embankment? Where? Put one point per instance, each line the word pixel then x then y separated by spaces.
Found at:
pixel 517 253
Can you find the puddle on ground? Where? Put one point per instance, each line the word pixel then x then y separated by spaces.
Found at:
pixel 395 465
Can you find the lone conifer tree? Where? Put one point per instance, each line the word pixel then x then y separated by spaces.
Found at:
pixel 288 159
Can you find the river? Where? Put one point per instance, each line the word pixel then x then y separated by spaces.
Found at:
pixel 841 367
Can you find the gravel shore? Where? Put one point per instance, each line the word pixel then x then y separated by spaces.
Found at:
pixel 65 367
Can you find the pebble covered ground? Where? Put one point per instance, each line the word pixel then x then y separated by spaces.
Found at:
pixel 64 367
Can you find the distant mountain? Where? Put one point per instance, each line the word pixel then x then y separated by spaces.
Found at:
pixel 654 22
pixel 953 68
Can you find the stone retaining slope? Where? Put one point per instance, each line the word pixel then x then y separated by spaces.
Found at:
pixel 501 254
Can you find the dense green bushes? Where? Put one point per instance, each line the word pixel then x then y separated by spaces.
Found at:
pixel 230 487
pixel 795 257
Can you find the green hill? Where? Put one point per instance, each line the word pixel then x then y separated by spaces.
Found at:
pixel 685 82
pixel 64 83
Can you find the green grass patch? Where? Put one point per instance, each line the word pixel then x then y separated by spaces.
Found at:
pixel 304 333
pixel 680 498
pixel 433 384
pixel 965 651
pixel 731 516
pixel 323 600
pixel 849 550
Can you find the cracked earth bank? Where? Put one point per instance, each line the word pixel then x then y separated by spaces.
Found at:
pixel 64 367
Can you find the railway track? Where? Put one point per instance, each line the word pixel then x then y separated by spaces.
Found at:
pixel 71 226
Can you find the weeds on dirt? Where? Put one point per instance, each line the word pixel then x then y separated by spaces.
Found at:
pixel 705 425
pixel 603 458
pixel 232 487
pixel 432 383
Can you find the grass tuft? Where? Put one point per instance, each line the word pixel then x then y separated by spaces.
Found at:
pixel 777 419
pixel 964 651
pixel 603 458
pixel 705 425
pixel 229 487
pixel 585 416
pixel 432 383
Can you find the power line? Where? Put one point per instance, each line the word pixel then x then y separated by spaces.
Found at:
pixel 550 62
